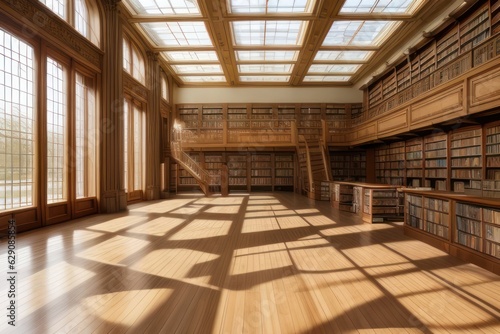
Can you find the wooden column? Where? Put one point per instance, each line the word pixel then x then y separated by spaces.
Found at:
pixel 112 193
pixel 153 122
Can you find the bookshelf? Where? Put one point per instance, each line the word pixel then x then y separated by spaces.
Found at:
pixel 185 181
pixel 447 47
pixel 213 165
pixel 495 16
pixel 238 171
pixel 261 172
pixel 415 68
pixel 474 29
pixel 414 162
pixel 237 117
pixel 403 75
pixel 211 124
pixel 283 172
pixel 427 60
pixel 492 151
pixel 173 178
pixel 465 226
pixel 356 110
pixel 375 94
pixel 380 204
pixel 309 124
pixel 389 86
pixel 336 117
pixel 190 117
pixel 435 161
pixel 389 166
pixel 466 159
pixel 348 165
pixel 287 112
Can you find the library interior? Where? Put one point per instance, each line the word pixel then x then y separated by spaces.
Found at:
pixel 238 166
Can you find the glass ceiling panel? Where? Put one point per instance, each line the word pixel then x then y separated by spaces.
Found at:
pixel 326 78
pixel 271 6
pixel 191 55
pixel 165 7
pixel 265 68
pixel 266 55
pixel 363 33
pixel 320 68
pixel 267 78
pixel 268 32
pixel 380 6
pixel 202 78
pixel 178 33
pixel 343 55
pixel 197 69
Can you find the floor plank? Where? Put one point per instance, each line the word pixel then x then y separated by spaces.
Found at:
pixel 247 263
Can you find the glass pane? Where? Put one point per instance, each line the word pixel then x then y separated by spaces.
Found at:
pixel 381 6
pixel 266 55
pixel 56 132
pixel 343 55
pixel 265 68
pixel 365 33
pixel 197 69
pixel 326 78
pixel 126 56
pixel 320 68
pixel 267 78
pixel 270 6
pixel 137 147
pixel 178 33
pixel 191 55
pixel 138 66
pixel 57 6
pixel 268 32
pixel 201 78
pixel 171 7
pixel 126 113
pixel 81 17
pixel 17 123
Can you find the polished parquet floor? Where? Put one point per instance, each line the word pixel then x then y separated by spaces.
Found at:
pixel 247 263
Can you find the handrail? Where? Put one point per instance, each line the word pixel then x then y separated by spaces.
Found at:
pixel 190 163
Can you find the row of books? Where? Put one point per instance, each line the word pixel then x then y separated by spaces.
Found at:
pixel 466 162
pixel 469 226
pixel 474 142
pixel 437 204
pixel 465 151
pixel 475 174
pixel 435 163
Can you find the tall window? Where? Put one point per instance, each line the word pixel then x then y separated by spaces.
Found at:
pixel 133 61
pixel 17 123
pixel 81 14
pixel 56 132
pixel 164 87
pixel 85 137
pixel 133 144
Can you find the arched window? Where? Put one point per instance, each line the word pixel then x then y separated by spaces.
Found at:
pixel 133 61
pixel 81 14
pixel 164 87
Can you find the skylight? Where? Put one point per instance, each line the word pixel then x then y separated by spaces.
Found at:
pixel 326 78
pixel 267 78
pixel 154 7
pixel 178 33
pixel 265 68
pixel 266 55
pixel 321 68
pixel 202 78
pixel 343 55
pixel 268 32
pixel 196 69
pixel 270 6
pixel 191 56
pixel 384 6
pixel 361 33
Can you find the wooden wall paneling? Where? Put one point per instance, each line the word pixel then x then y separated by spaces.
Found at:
pixel 484 90
pixel 394 123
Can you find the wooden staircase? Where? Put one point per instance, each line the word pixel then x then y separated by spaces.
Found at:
pixel 314 165
pixel 201 175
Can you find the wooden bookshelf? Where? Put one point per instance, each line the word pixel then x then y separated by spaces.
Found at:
pixel 474 29
pixel 414 162
pixel 174 171
pixel 492 151
pixel 211 124
pixel 309 124
pixel 190 116
pixel 261 172
pixel 389 85
pixel 356 110
pixel 427 60
pixel 435 161
pixel 336 117
pixel 464 226
pixel 185 181
pixel 403 76
pixel 238 171
pixel 389 166
pixel 348 165
pixel 380 204
pixel 466 159
pixel 375 94
pixel 287 112
pixel 237 117
pixel 495 16
pixel 447 47
pixel 213 164
pixel 283 172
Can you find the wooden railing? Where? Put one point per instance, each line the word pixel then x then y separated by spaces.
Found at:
pixel 477 56
pixel 276 132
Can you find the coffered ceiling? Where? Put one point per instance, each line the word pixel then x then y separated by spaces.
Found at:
pixel 278 42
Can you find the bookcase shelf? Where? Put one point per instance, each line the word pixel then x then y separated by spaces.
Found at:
pixel 435 161
pixel 467 227
pixel 190 116
pixel 493 151
pixel 336 117
pixel 466 159
pixel 495 16
pixel 380 204
pixel 414 162
pixel 474 29
pixel 348 165
pixel 389 86
pixel 283 172
pixel 309 123
pixel 213 164
pixel 238 171
pixel 261 172
pixel 237 117
pixel 403 76
pixel 389 166
pixel 447 47
pixel 185 180
pixel 375 94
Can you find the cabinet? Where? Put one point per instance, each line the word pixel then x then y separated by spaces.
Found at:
pixel 380 204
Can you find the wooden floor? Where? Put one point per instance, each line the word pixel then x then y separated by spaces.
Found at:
pixel 247 263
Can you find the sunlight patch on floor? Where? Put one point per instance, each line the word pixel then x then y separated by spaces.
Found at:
pixel 114 250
